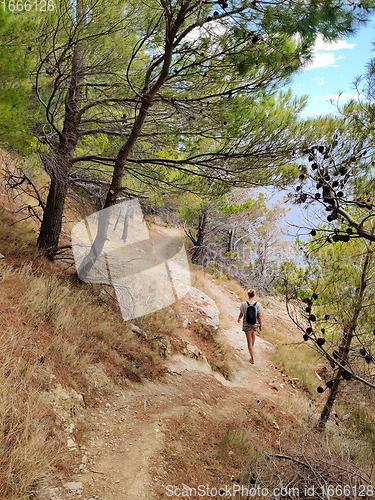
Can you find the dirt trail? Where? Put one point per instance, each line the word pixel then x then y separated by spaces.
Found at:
pixel 123 458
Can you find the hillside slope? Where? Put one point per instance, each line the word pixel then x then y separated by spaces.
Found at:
pixel 175 431
pixel 93 407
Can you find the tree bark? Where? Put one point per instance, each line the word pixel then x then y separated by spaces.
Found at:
pixel 198 251
pixel 344 348
pixel 231 234
pixel 61 161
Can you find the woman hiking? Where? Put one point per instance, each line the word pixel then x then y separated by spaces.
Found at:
pixel 252 320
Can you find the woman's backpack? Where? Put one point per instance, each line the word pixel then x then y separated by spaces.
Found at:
pixel 251 314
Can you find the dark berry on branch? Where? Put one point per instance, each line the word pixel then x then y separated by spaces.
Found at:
pixel 326 317
pixel 368 359
pixel 362 352
pixel 319 389
pixel 313 232
pixel 314 166
pixel 312 317
pixel 329 384
pixel 314 296
pixel 346 375
pixel 308 309
pixel 309 330
pixel 320 341
pixel 305 337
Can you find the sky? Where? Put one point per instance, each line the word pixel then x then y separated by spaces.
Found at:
pixel 329 76
pixel 333 69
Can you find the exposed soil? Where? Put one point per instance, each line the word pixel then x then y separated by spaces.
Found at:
pixel 173 432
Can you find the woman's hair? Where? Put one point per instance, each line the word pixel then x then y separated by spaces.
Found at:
pixel 251 293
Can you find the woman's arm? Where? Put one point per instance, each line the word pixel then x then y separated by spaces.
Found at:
pixel 239 317
pixel 260 321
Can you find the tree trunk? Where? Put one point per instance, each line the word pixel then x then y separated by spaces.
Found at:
pixel 230 246
pixel 50 230
pixel 61 163
pixel 197 254
pixel 344 348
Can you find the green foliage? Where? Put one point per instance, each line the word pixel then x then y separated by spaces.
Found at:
pixel 17 56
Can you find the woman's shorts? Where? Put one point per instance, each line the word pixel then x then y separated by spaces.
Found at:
pixel 250 328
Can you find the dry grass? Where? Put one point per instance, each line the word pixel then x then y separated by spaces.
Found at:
pixel 298 361
pixel 85 332
pixel 214 348
pixel 30 443
pixel 199 276
pixel 55 331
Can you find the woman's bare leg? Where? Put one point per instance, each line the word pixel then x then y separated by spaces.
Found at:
pixel 250 344
pixel 252 338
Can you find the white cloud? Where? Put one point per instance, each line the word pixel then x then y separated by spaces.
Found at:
pixel 338 97
pixel 323 53
pixel 320 80
pixel 341 43
pixel 342 97
pixel 213 27
pixel 321 60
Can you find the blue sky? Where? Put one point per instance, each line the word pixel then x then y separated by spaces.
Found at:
pixel 333 69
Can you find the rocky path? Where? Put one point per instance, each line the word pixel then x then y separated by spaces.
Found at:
pixel 123 459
